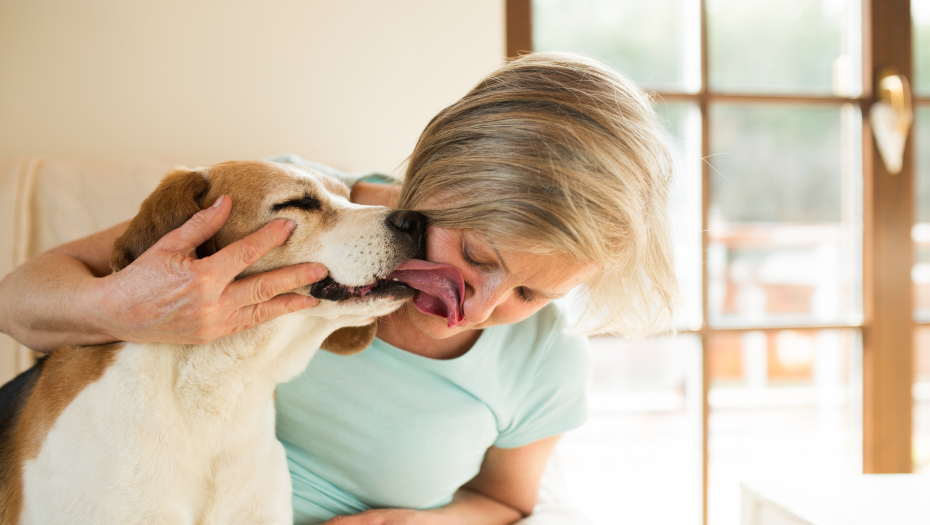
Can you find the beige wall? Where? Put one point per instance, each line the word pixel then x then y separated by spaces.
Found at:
pixel 349 82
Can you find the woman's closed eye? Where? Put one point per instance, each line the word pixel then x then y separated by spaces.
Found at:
pixel 467 257
pixel 522 293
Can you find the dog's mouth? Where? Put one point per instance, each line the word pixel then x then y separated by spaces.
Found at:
pixel 330 290
pixel 437 289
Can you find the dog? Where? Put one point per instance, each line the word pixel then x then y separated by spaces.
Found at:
pixel 170 433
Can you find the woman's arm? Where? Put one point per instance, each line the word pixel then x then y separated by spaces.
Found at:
pixel 374 194
pixel 504 491
pixel 512 475
pixel 41 304
pixel 67 294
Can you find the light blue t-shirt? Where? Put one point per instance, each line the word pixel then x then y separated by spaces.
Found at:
pixel 388 428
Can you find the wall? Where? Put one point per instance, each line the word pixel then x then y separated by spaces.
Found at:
pixel 351 83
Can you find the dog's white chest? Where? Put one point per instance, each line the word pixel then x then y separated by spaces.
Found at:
pixel 124 452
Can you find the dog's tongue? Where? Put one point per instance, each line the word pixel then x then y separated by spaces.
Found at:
pixel 440 288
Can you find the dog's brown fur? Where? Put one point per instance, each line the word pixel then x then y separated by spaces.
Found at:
pixel 176 200
pixel 48 396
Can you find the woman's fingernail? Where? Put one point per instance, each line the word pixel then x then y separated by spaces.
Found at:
pixel 313 302
pixel 319 272
pixel 218 202
pixel 289 225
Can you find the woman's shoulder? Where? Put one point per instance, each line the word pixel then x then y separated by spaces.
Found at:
pixel 547 394
pixel 550 325
pixel 548 341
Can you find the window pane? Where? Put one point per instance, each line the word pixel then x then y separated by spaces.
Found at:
pixel 922 401
pixel 683 123
pixel 920 12
pixel 783 404
pixel 656 43
pixel 638 459
pixel 780 46
pixel 784 230
pixel 920 234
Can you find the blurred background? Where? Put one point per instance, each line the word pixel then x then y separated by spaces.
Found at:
pixel 765 103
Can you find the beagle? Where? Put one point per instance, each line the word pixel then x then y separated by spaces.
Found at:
pixel 167 433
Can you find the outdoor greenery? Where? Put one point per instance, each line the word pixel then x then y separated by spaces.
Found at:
pixel 771 162
pixel 776 163
pixel 787 46
pixel 644 40
pixel 921 13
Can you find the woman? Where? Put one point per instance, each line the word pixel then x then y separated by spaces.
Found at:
pixel 549 175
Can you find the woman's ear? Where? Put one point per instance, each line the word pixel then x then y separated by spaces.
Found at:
pixel 173 202
pixel 350 340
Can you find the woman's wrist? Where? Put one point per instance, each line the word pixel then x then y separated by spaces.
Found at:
pixel 94 300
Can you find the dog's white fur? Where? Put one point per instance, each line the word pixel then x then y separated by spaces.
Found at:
pixel 184 434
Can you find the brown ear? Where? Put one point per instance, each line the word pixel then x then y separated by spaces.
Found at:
pixel 172 203
pixel 351 339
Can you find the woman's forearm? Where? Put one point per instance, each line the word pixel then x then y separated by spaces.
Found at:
pixel 48 301
pixel 55 297
pixel 472 508
pixel 167 295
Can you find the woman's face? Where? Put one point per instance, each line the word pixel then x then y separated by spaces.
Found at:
pixel 502 285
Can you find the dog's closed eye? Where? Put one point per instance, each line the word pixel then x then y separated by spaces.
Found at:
pixel 307 202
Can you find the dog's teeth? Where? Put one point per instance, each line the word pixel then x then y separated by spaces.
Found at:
pixel 394 279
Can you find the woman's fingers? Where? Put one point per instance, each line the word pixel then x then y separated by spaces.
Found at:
pixel 203 225
pixel 174 297
pixel 233 259
pixel 263 287
pixel 249 316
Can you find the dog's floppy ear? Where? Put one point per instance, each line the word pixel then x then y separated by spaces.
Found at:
pixel 351 339
pixel 173 202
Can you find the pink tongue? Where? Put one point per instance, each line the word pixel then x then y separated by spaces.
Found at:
pixel 440 288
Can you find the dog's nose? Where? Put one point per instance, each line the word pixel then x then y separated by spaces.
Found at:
pixel 406 220
pixel 410 226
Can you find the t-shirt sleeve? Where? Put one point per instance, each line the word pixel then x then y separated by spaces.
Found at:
pixel 556 395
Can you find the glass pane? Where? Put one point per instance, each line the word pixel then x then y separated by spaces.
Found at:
pixel 784 46
pixel 784 226
pixel 920 234
pixel 922 401
pixel 683 123
pixel 656 43
pixel 638 458
pixel 920 13
pixel 782 404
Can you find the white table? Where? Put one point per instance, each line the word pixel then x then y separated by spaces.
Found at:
pixel 872 499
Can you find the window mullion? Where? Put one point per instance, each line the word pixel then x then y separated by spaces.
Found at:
pixel 887 257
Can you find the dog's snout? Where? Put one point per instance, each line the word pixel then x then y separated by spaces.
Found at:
pixel 411 227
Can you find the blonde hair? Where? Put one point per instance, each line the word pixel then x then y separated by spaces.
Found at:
pixel 558 152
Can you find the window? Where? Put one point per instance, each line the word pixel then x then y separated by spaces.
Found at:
pixel 921 235
pixel 792 250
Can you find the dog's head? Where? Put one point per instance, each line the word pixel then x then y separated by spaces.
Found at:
pixel 360 245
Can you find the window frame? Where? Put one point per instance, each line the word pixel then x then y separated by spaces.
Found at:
pixel 888 326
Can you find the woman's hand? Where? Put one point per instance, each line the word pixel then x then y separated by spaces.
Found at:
pixel 67 295
pixel 169 295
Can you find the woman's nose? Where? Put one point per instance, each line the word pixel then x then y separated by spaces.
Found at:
pixel 480 300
